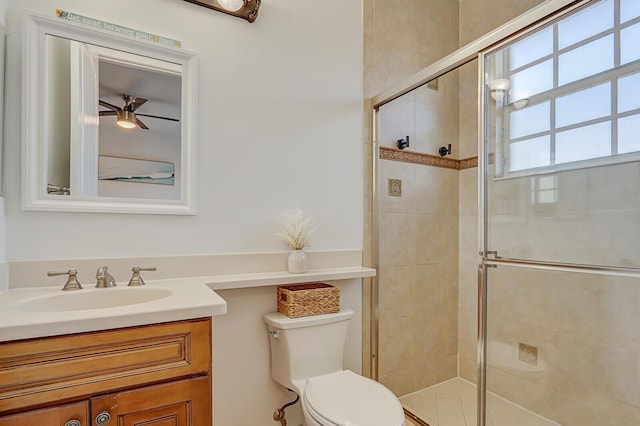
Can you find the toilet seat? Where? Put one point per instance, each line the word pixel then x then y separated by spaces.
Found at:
pixel 348 399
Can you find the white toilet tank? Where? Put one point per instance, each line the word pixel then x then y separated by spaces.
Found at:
pixel 307 346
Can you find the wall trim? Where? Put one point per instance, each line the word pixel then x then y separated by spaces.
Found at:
pixel 427 159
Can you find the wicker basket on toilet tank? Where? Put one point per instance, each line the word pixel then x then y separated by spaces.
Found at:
pixel 302 300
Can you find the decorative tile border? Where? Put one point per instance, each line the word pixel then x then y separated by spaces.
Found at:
pixel 468 163
pixel 427 159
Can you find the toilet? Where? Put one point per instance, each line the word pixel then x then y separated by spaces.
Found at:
pixel 306 357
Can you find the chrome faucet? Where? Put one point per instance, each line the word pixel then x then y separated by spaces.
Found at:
pixel 104 279
pixel 136 280
pixel 72 282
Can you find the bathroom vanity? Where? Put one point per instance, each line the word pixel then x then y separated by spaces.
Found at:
pixel 116 356
pixel 140 351
pixel 134 375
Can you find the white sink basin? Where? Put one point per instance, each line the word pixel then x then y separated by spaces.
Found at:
pixel 27 313
pixel 93 299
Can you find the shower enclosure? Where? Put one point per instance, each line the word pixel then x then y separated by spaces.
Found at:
pixel 524 310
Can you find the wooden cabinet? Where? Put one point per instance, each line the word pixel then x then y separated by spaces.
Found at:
pixel 150 375
pixel 55 416
pixel 179 403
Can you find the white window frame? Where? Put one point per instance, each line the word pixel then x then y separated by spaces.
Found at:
pixel 611 75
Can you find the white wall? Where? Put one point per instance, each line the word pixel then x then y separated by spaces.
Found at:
pixel 4 270
pixel 3 231
pixel 248 395
pixel 279 128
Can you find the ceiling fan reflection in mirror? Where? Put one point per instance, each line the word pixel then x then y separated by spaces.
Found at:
pixel 127 117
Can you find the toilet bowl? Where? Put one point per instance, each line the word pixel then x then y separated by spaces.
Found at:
pixel 306 356
pixel 346 398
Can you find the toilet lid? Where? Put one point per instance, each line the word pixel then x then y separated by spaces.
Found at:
pixel 347 399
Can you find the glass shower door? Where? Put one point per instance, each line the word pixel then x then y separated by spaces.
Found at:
pixel 560 342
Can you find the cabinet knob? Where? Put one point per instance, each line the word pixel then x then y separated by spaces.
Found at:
pixel 73 422
pixel 103 418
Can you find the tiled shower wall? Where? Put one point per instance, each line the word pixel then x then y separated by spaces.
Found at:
pixel 583 326
pixel 477 17
pixel 418 231
pixel 400 38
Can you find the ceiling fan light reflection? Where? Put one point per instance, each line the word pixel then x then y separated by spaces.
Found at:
pixel 125 124
pixel 126 119
pixel 231 5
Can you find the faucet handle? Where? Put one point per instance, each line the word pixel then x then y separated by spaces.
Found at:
pixel 72 282
pixel 136 279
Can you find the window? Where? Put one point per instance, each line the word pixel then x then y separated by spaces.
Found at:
pixel 568 92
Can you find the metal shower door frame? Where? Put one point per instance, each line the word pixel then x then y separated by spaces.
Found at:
pixel 489 258
pixel 477 49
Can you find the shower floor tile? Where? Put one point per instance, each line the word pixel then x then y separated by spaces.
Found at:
pixel 453 403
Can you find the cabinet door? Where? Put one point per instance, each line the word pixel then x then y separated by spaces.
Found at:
pixel 64 415
pixel 179 403
pixel 73 366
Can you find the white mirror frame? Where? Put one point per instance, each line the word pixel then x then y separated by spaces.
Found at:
pixel 35 152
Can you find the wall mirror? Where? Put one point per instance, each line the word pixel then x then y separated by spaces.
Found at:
pixel 108 121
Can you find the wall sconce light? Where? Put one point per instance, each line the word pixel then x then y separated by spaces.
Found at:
pixel 245 9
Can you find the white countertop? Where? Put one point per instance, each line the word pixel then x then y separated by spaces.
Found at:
pixel 186 299
pixel 183 298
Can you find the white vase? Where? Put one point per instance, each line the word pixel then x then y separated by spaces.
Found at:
pixel 297 262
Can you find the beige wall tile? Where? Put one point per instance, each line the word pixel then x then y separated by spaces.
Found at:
pixel 603 376
pixel 584 327
pixel 397 239
pixel 436 116
pixel 469 239
pixel 476 18
pixel 436 239
pixel 402 37
pixel 398 288
pixel 396 122
pixel 468 192
pixel 468 109
pixel 468 368
pixel 468 287
pixel 467 334
pixel 406 379
pixel 438 191
pixel 406 202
